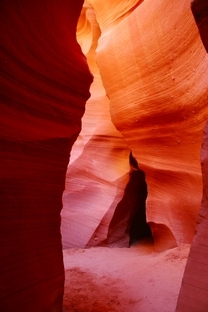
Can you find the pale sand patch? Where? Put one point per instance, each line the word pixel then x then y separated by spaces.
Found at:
pixel 135 279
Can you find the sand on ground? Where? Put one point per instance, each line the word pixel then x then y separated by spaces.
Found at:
pixel 135 279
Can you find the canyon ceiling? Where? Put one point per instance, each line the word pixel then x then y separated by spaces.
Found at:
pixel 141 69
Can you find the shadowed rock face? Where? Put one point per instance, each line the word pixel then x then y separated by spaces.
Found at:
pixel 194 288
pixel 44 86
pixel 200 12
pixel 128 224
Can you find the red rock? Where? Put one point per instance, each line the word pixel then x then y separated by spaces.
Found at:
pixel 193 293
pixel 149 96
pixel 194 288
pixel 44 85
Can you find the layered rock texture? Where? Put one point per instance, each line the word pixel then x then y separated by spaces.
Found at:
pixel 135 168
pixel 162 67
pixel 151 63
pixel 44 86
pixel 99 164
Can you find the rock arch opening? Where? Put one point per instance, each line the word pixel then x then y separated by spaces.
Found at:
pixel 129 219
pixel 138 226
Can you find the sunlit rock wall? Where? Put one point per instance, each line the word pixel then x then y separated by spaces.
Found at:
pixel 153 67
pixel 98 170
pixel 153 72
pixel 44 86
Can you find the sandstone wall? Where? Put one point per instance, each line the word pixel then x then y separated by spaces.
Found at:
pixel 153 67
pixel 44 86
pixel 98 170
pixel 194 288
pixel 153 79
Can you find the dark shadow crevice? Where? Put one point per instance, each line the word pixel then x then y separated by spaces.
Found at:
pixel 129 225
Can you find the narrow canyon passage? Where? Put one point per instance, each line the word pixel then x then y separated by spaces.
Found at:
pixel 141 108
pixel 126 84
pixel 165 134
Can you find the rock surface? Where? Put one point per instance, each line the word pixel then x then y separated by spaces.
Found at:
pixel 158 101
pixel 193 293
pixel 149 100
pixel 44 86
pixel 194 288
pixel 153 73
pixel 98 170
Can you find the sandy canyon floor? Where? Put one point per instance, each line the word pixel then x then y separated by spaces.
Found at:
pixel 135 279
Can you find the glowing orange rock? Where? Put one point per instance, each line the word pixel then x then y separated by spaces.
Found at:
pixel 99 163
pixel 152 64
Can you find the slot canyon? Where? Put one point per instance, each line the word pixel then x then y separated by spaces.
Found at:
pixel 104 156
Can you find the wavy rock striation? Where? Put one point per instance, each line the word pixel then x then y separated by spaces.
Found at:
pixel 148 107
pixel 44 86
pixel 98 170
pixel 153 71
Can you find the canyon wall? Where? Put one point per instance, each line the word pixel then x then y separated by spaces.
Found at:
pixel 194 288
pixel 44 86
pixel 149 67
pixel 143 122
pixel 153 67
pixel 98 170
